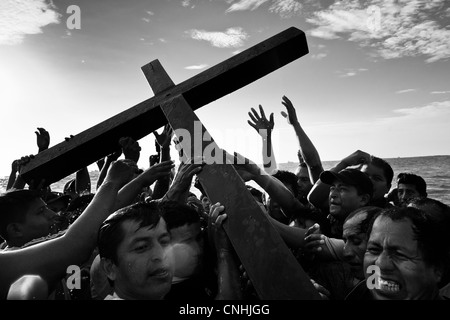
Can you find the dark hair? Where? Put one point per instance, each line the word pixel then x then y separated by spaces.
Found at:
pixel 371 212
pixel 287 177
pixel 429 233
pixel 417 181
pixel 387 169
pixel 176 214
pixel 111 233
pixel 14 205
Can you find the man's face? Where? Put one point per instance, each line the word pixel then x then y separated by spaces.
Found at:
pixel 188 247
pixel 406 192
pixel 206 204
pixel 343 199
pixel 38 221
pixel 403 273
pixel 355 244
pixel 380 185
pixel 304 182
pixel 145 262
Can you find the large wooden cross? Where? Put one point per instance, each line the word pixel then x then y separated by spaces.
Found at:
pixel 274 272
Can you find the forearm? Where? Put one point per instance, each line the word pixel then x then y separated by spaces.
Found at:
pixel 11 180
pixel 293 237
pixel 162 184
pixel 103 172
pixel 269 162
pixel 128 193
pixel 278 192
pixel 309 153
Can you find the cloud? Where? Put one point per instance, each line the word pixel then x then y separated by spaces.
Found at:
pixel 196 67
pixel 146 20
pixel 432 110
pixel 186 3
pixel 243 5
pixel 394 29
pixel 286 8
pixel 351 72
pixel 405 91
pixel 318 56
pixel 440 92
pixel 162 40
pixel 231 38
pixel 19 18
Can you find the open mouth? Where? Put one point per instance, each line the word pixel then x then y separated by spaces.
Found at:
pixel 388 287
pixel 160 273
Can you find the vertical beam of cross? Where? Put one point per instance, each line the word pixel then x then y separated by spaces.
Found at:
pixel 274 271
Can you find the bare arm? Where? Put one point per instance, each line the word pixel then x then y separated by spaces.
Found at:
pixel 51 258
pixel 133 188
pixel 307 148
pixel 163 140
pixel 264 128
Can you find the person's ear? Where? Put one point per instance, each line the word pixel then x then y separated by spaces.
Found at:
pixel 14 230
pixel 109 268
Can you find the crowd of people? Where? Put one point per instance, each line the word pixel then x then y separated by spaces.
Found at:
pixel 144 233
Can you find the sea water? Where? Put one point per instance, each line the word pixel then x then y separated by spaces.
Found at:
pixel 434 169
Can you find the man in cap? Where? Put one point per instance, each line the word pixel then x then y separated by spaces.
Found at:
pixel 350 189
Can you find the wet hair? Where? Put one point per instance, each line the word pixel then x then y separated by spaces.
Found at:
pixel 417 181
pixel 387 169
pixel 435 209
pixel 111 233
pixel 431 235
pixel 14 205
pixel 177 215
pixel 287 177
pixel 371 212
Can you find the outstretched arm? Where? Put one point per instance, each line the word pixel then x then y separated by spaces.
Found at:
pixel 228 275
pixel 307 149
pixel 109 159
pixel 264 128
pixel 133 188
pixel 51 258
pixel 163 140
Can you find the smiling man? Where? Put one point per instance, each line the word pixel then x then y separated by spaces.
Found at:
pixel 407 248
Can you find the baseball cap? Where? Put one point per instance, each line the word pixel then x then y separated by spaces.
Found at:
pixel 352 177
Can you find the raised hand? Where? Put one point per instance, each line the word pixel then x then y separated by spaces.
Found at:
pixel 42 139
pixel 157 171
pixel 130 148
pixel 121 172
pixel 260 122
pixel 185 173
pixel 164 138
pixel 291 115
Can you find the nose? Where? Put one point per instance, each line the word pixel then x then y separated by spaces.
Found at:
pixel 384 262
pixel 348 252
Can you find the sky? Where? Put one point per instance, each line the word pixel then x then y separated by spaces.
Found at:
pixel 376 77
